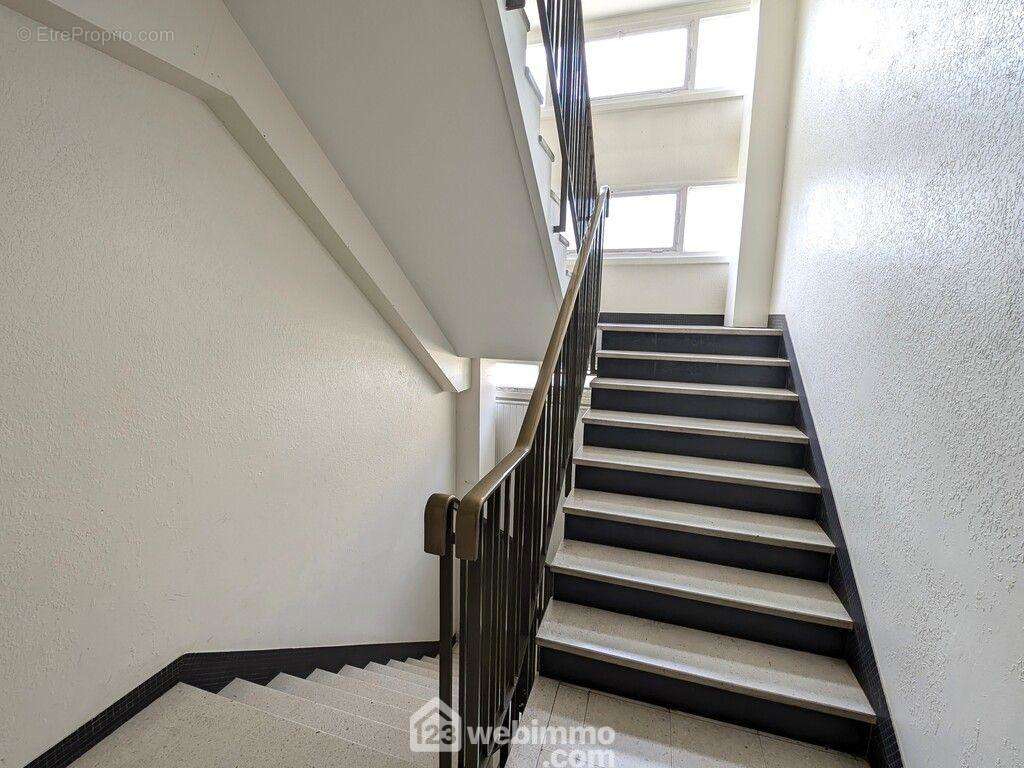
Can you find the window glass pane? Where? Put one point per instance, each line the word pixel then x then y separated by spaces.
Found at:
pixel 650 61
pixel 725 52
pixel 712 219
pixel 537 64
pixel 518 375
pixel 641 222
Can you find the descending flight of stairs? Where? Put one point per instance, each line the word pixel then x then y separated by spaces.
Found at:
pixel 693 572
pixel 357 718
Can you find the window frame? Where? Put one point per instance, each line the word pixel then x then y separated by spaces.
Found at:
pixel 679 18
pixel 674 253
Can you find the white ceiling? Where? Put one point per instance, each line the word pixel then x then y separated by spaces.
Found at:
pixel 405 99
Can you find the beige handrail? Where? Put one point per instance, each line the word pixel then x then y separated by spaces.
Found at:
pixel 467 522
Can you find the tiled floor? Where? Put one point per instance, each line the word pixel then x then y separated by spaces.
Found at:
pixel 653 737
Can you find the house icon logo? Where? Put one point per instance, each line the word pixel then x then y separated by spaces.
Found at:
pixel 435 727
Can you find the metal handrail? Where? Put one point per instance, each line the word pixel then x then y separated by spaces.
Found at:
pixel 467 521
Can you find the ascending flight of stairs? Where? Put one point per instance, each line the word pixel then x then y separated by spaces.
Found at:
pixel 357 718
pixel 693 572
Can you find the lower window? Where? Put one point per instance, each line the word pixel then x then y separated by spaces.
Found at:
pixel 689 220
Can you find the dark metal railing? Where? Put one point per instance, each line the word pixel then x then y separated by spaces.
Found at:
pixel 501 529
pixel 561 25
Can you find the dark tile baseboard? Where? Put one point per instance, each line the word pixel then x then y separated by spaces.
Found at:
pixel 883 748
pixel 211 672
pixel 656 318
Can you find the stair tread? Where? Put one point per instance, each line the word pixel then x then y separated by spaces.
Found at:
pixel 762 528
pixel 696 426
pixel 335 722
pixel 799 599
pixel 422 664
pixel 716 470
pixel 764 671
pixel 391 669
pixel 429 676
pixel 368 690
pixel 187 726
pixel 339 699
pixel 718 330
pixel 693 357
pixel 391 682
pixel 694 388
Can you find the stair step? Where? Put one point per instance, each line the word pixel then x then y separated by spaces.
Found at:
pixel 423 663
pixel 368 690
pixel 714 470
pixel 692 357
pixel 689 329
pixel 393 670
pixel 798 599
pixel 795 678
pixel 693 388
pixel 757 527
pixel 187 726
pixel 335 722
pixel 389 681
pixel 744 430
pixel 427 675
pixel 339 699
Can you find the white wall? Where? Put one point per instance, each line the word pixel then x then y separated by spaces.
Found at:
pixel 676 288
pixel 694 141
pixel 208 437
pixel 900 269
pixel 763 162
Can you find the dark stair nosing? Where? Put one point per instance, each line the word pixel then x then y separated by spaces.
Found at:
pixel 700 389
pixel 723 585
pixel 696 468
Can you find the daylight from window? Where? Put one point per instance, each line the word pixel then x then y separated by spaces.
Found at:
pixel 641 222
pixel 537 66
pixel 711 220
pixel 725 49
pixel 650 61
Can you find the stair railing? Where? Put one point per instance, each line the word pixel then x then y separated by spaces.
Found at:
pixel 561 25
pixel 501 529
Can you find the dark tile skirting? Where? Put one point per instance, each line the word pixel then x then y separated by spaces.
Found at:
pixel 211 672
pixel 883 749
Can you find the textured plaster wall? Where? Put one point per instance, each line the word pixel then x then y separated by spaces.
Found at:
pixel 673 288
pixel 208 438
pixel 901 270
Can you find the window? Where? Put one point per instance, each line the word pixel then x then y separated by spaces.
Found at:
pixel 537 66
pixel 693 219
pixel 621 63
pixel 725 52
pixel 649 61
pixel 711 222
pixel 641 222
pixel 514 375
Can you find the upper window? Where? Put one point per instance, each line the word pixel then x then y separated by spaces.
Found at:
pixel 660 60
pixel 725 51
pixel 649 61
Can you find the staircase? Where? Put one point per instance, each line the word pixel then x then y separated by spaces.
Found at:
pixel 692 573
pixel 358 718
